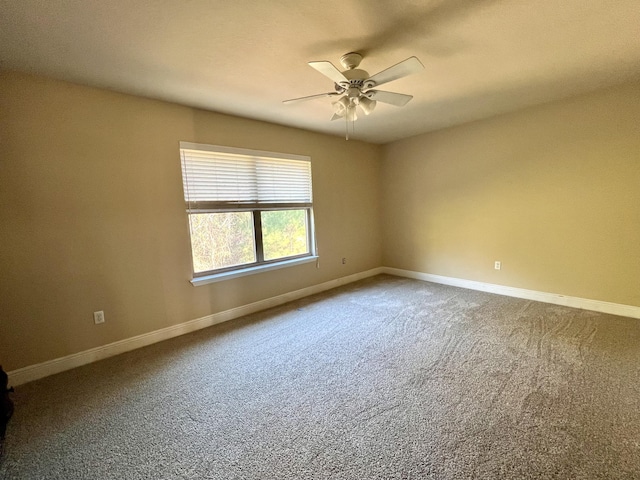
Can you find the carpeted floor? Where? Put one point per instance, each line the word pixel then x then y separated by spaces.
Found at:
pixel 387 378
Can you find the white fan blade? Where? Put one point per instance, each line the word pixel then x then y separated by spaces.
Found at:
pixel 392 98
pixel 310 97
pixel 329 70
pixel 402 69
pixel 336 117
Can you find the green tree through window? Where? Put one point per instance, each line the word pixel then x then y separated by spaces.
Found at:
pixel 284 233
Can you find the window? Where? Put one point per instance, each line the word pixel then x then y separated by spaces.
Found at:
pixel 248 210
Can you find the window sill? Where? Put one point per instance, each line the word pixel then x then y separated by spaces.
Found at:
pixel 219 277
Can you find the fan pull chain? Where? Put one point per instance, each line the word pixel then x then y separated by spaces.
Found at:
pixel 353 127
pixel 346 124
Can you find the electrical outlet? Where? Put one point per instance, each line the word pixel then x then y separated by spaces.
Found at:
pixel 344 260
pixel 498 265
pixel 98 317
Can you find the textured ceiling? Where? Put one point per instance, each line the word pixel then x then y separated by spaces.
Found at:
pixel 481 57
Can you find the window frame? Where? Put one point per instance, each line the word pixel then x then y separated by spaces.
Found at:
pixel 256 209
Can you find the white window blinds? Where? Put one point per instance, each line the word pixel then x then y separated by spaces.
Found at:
pixel 219 177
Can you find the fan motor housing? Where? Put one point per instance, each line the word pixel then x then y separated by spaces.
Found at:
pixel 355 74
pixel 356 79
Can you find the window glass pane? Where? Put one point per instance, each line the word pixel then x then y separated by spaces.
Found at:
pixel 284 233
pixel 220 240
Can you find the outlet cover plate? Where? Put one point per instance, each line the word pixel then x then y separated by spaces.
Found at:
pixel 98 317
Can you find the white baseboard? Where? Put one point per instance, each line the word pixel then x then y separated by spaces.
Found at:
pixel 41 370
pixel 557 299
pixel 51 367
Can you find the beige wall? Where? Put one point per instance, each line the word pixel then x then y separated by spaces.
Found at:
pixel 553 192
pixel 92 215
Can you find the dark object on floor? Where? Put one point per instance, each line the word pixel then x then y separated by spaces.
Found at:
pixel 6 406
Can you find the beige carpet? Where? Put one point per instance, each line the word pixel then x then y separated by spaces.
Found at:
pixel 387 378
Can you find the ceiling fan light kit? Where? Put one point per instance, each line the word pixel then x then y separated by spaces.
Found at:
pixel 367 105
pixel 356 88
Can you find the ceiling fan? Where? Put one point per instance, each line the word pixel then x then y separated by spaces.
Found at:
pixel 355 88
